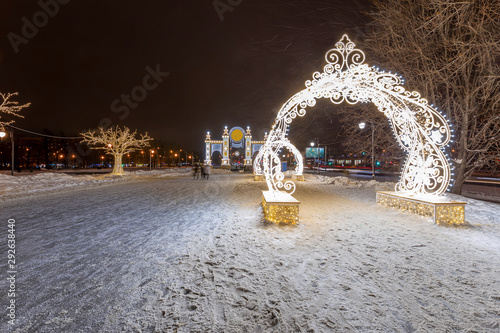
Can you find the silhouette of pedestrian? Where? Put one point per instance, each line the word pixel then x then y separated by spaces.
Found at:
pixel 196 171
pixel 203 172
pixel 206 170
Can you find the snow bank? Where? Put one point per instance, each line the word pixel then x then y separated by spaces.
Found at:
pixel 353 183
pixel 221 171
pixel 19 185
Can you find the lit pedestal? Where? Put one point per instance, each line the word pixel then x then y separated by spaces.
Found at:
pixel 258 177
pixel 441 210
pixel 280 207
pixel 298 177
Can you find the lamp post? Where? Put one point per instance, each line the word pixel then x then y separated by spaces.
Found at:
pixel 151 153
pixel 317 153
pixel 362 126
pixel 158 158
pixel 314 163
pixel 2 134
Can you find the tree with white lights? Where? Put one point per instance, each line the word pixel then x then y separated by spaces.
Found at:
pixel 10 107
pixel 450 51
pixel 117 142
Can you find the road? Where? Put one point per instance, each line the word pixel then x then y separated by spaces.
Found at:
pixel 476 187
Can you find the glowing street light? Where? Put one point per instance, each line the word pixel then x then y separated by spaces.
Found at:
pixel 317 153
pixel 152 152
pixel 362 126
pixel 3 134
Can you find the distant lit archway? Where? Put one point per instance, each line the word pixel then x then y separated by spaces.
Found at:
pixel 420 129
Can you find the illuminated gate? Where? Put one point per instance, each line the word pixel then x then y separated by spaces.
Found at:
pixel 236 147
pixel 420 129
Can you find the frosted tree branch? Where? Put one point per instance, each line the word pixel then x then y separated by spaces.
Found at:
pixel 10 107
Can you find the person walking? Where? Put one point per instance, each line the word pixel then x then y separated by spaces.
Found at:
pixel 196 171
pixel 206 170
pixel 202 169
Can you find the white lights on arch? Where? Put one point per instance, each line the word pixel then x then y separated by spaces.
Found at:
pixel 421 130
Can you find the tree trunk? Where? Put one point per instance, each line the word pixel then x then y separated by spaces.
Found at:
pixel 117 168
pixel 461 169
pixel 459 179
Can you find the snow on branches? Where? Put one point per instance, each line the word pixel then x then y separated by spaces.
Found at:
pixel 8 106
pixel 117 142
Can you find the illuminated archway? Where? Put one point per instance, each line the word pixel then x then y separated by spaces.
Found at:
pixel 420 129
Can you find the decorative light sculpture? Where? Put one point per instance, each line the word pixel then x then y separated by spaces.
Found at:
pixel 420 129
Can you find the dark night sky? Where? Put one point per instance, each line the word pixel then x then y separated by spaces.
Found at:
pixel 235 72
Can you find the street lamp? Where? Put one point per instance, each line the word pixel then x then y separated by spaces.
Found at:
pixel 152 152
pixel 2 134
pixel 362 126
pixel 317 153
pixel 314 163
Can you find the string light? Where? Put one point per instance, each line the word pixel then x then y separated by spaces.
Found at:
pixel 441 211
pixel 280 212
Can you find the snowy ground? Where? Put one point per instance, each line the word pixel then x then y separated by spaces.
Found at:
pixel 26 184
pixel 157 253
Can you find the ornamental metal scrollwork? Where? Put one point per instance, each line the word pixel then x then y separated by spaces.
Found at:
pixel 420 129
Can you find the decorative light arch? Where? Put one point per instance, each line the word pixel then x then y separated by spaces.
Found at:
pixel 420 129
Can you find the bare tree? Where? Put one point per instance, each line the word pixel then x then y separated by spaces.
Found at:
pixel 8 106
pixel 450 52
pixel 117 142
pixel 360 140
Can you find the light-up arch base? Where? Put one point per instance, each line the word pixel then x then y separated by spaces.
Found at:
pixel 280 207
pixel 438 209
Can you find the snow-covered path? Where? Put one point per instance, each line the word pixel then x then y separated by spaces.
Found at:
pixel 177 255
